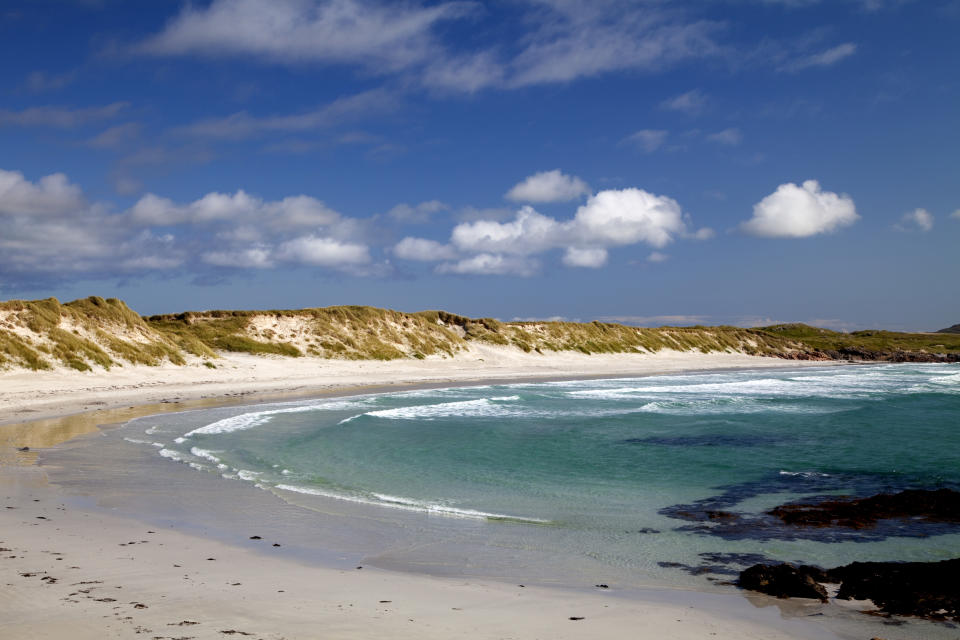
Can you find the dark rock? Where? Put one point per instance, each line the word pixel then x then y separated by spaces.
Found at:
pixel 23 448
pixel 922 589
pixel 954 329
pixel 925 589
pixel 942 505
pixel 784 581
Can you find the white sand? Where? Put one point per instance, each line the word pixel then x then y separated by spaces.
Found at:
pixel 29 395
pixel 67 571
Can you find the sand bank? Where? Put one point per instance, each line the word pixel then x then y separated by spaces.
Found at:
pixel 75 567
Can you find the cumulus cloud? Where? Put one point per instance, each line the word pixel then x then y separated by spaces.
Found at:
pixel 592 258
pixel 418 213
pixel 51 231
pixel 691 103
pixel 548 186
pixel 491 264
pixel 323 252
pixel 59 117
pixel 648 140
pixel 916 220
pixel 252 257
pixel 800 211
pixel 239 207
pixel 956 214
pixel 730 137
pixel 611 218
pixel 423 250
pixel 656 256
pixel 53 194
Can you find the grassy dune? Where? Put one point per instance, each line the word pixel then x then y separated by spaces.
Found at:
pixel 93 332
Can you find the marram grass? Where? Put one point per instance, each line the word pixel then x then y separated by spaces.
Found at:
pixel 93 332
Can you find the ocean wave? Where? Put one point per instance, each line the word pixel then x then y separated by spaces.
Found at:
pixel 256 418
pixel 483 407
pixel 206 455
pixel 409 504
pixel 805 474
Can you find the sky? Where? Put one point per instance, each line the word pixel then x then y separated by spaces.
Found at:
pixel 650 162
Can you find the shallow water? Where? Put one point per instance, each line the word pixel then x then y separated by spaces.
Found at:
pixel 565 479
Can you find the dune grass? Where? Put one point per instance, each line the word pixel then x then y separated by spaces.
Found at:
pixel 94 332
pixel 870 340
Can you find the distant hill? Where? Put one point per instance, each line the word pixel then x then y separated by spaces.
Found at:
pixel 954 329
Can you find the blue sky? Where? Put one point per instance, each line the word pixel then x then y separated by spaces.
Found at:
pixel 651 162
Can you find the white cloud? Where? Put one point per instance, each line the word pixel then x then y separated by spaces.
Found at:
pixel 323 252
pixel 583 39
pixel 548 186
pixel 628 216
pixel 731 137
pixel 824 58
pixel 800 211
pixel 242 125
pixel 588 257
pixel 491 264
pixel 253 257
pixel 645 321
pixel 423 250
pixel 377 36
pixel 609 219
pixel 53 194
pixel 916 220
pixel 703 233
pixel 290 213
pixel 558 41
pixel 656 256
pixel 691 103
pixel 530 232
pixel 417 214
pixel 116 137
pixel 60 117
pixel 39 81
pixel 956 214
pixel 648 140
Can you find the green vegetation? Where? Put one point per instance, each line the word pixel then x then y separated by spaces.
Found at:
pixel 94 332
pixel 81 334
pixel 870 340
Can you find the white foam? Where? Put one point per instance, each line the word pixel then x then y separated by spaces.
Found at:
pixel 257 418
pixel 462 408
pixel 805 474
pixel 244 474
pixel 206 455
pixel 173 455
pixel 409 504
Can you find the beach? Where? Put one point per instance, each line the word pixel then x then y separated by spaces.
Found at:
pixel 91 565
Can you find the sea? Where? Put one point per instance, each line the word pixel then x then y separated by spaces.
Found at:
pixel 658 481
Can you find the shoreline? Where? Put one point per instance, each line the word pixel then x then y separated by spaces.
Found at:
pixel 433 606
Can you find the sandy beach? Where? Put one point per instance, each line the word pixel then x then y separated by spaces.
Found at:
pixel 81 567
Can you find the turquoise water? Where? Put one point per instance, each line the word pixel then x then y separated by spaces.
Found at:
pixel 616 473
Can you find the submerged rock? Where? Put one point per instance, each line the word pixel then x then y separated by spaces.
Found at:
pixel 942 505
